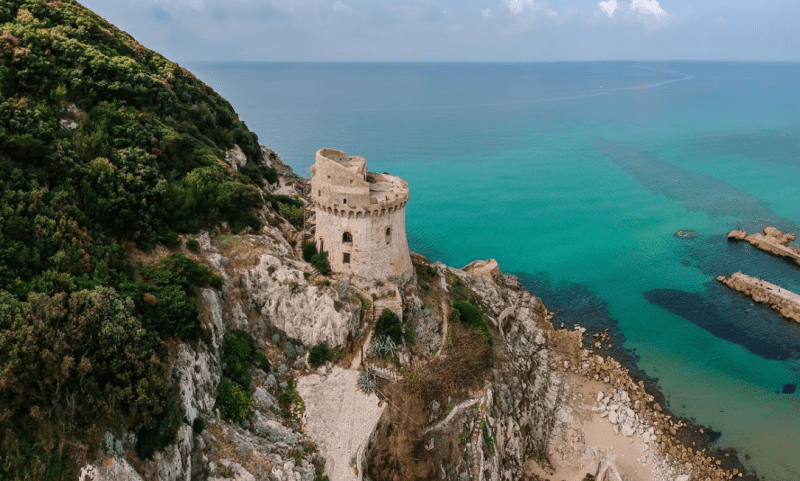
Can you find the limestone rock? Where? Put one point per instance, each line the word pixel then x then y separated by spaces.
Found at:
pixel 110 469
pixel 236 157
pixel 302 311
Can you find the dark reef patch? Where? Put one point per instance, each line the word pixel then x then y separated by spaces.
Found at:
pixel 732 317
pixel 789 388
pixel 695 191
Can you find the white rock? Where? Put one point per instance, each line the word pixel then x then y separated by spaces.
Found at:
pixel 235 157
pixel 628 430
pixel 301 311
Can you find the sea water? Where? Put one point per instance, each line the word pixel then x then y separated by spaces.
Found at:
pixel 575 177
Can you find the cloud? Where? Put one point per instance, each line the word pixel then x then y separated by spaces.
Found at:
pixel 487 14
pixel 609 6
pixel 340 6
pixel 650 7
pixel 518 6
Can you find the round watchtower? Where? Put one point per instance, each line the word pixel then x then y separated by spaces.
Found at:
pixel 360 218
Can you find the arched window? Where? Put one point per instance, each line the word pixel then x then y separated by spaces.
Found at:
pixel 388 235
pixel 344 201
pixel 347 238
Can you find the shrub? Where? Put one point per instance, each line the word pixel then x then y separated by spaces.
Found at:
pixel 171 239
pixel 321 264
pixel 318 355
pixel 290 402
pixel 237 354
pixel 389 325
pixel 309 250
pixel 469 314
pixel 199 425
pixel 192 244
pixel 306 275
pixel 233 400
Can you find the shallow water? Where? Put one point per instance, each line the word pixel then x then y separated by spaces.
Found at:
pixel 577 176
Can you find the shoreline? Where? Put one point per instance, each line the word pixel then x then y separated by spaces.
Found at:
pixel 679 439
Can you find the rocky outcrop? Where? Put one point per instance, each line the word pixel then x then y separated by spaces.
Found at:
pixel 302 310
pixel 772 241
pixel 787 303
pixel 236 157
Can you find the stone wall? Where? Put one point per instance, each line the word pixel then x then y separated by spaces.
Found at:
pixel 371 256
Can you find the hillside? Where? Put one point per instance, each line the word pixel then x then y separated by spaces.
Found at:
pixel 162 319
pixel 106 148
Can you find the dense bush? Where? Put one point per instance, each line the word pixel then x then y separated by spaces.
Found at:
pixel 321 264
pixel 103 144
pixel 389 325
pixel 192 244
pixel 165 294
pixel 468 314
pixel 234 400
pixel 318 355
pixel 309 250
pixel 81 357
pixel 237 354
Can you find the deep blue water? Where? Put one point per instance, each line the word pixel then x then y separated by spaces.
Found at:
pixel 576 176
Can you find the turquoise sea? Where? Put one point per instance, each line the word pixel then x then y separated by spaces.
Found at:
pixel 576 176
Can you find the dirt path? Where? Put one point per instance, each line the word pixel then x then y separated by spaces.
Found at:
pixel 339 417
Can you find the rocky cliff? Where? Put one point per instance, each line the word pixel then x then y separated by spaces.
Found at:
pixel 540 407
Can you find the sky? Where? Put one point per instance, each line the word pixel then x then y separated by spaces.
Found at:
pixel 460 30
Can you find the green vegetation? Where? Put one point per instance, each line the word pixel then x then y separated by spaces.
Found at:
pixel 389 325
pixel 321 264
pixel 237 354
pixel 487 436
pixel 309 250
pixel 468 314
pixel 319 354
pixel 290 402
pixel 164 295
pixel 234 400
pixel 289 207
pixel 192 244
pixel 105 146
pixel 198 425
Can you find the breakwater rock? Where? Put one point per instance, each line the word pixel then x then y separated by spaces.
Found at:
pixel 772 241
pixel 787 303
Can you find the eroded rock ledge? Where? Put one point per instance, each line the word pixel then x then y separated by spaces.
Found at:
pixel 772 241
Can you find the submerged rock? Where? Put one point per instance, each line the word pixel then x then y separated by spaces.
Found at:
pixel 686 234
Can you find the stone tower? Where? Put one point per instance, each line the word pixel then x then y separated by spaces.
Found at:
pixel 360 218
